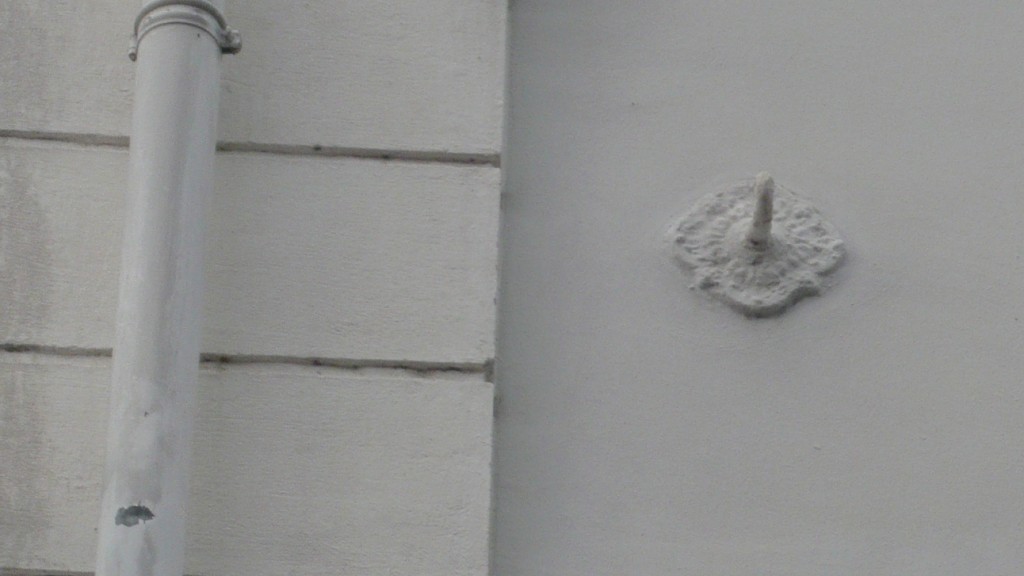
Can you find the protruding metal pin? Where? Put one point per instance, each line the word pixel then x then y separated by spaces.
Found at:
pixel 760 235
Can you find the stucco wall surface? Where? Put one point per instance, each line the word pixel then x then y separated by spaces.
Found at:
pixel 416 75
pixel 308 256
pixel 878 429
pixel 297 469
pixel 351 269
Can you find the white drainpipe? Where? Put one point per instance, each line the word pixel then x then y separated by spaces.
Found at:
pixel 156 350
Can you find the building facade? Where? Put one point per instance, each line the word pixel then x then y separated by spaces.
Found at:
pixel 345 417
pixel 358 391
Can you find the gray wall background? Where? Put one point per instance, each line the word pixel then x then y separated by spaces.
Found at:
pixel 644 429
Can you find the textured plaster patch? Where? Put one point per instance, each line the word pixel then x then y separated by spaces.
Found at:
pixel 713 241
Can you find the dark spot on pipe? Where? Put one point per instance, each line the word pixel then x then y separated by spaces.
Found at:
pixel 131 515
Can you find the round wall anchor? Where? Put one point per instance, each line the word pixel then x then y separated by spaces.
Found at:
pixel 757 247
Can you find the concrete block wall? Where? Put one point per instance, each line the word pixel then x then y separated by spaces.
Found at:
pixel 346 410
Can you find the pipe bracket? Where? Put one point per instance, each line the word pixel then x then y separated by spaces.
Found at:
pixel 200 14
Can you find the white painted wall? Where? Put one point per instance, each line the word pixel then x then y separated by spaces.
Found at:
pixel 876 430
pixel 350 297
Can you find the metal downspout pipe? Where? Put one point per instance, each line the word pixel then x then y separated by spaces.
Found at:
pixel 156 347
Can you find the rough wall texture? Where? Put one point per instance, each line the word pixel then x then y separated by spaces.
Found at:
pixel 346 410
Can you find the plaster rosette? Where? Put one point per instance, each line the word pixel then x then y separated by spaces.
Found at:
pixel 757 247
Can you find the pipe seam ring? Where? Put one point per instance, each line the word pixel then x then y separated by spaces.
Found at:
pixel 200 14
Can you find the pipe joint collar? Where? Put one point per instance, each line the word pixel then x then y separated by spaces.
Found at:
pixel 200 14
